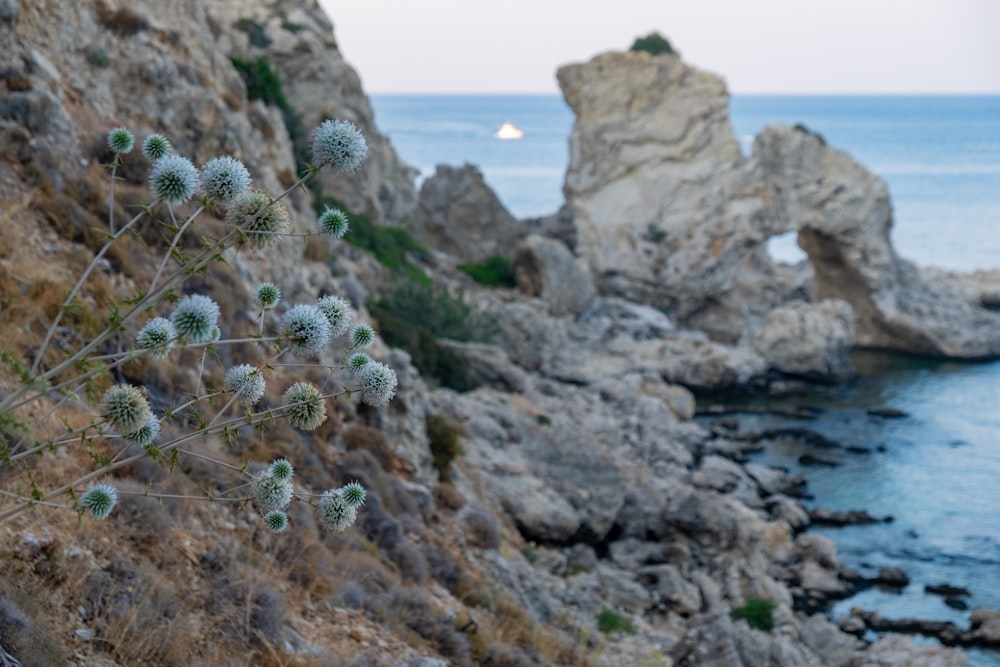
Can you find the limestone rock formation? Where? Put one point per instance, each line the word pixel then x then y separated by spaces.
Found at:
pixel 461 215
pixel 546 269
pixel 668 212
pixel 844 218
pixel 809 340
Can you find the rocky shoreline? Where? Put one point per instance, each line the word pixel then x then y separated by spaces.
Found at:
pixel 585 483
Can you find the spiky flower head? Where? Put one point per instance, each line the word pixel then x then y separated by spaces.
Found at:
pixel 353 494
pixel 339 145
pixel 338 312
pixel 276 521
pixel 215 334
pixel 157 337
pixel 174 179
pixel 333 222
pixel 334 513
pixel 223 178
pixel 155 146
pixel 268 296
pixel 306 329
pixel 362 336
pixel 357 361
pixel 305 407
pixel 268 494
pixel 126 408
pixel 99 500
pixel 145 436
pixel 281 469
pixel 195 317
pixel 247 382
pixel 120 140
pixel 259 218
pixel 378 383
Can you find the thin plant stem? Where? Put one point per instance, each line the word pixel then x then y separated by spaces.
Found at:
pixel 173 243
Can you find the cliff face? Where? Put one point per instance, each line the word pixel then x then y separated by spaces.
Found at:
pixel 668 212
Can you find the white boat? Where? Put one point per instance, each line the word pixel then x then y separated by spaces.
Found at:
pixel 509 131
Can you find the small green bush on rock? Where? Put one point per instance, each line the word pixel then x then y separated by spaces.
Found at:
pixel 654 44
pixel 757 612
pixel 495 271
pixel 608 622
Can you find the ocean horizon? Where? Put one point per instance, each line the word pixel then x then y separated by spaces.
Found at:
pixel 939 155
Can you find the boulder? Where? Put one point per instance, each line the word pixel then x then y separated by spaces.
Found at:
pixel 985 625
pixel 461 215
pixel 808 340
pixel 546 269
pixel 900 651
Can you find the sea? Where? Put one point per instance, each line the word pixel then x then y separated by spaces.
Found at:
pixel 936 468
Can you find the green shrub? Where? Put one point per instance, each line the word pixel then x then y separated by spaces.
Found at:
pixel 608 622
pixel 97 55
pixel 414 316
pixel 256 33
pixel 757 612
pixel 495 271
pixel 443 435
pixel 654 44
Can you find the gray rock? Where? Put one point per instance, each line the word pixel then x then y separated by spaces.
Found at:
pixel 488 363
pixel 900 651
pixel 672 588
pixel 835 648
pixel 810 340
pixel 985 624
pixel 460 215
pixel 546 269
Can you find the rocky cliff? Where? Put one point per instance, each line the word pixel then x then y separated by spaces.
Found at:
pixel 670 213
pixel 569 511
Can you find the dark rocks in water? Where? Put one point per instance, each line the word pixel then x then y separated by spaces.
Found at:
pixel 854 449
pixel 802 412
pixel 947 590
pixel 984 627
pixel 892 577
pixel 852 625
pixel 827 517
pixel 811 438
pixel 810 460
pixel 957 603
pixel 888 413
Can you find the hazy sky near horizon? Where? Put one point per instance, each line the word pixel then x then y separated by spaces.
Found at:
pixel 759 46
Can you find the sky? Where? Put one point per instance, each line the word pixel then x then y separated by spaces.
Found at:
pixel 758 46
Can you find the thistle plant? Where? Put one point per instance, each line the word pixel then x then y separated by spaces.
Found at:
pixel 163 321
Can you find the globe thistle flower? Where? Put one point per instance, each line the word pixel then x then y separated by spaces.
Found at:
pixel 155 146
pixel 174 179
pixel 281 469
pixel 362 335
pixel 146 434
pixel 305 407
pixel 339 145
pixel 306 329
pixel 276 521
pixel 333 222
pixel 247 382
pixel 268 494
pixel 357 361
pixel 378 383
pixel 353 494
pixel 338 312
pixel 157 337
pixel 223 178
pixel 259 218
pixel 268 296
pixel 99 500
pixel 214 335
pixel 121 140
pixel 195 318
pixel 334 513
pixel 126 408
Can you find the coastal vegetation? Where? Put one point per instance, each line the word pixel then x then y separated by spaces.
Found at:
pixel 654 44
pixel 494 271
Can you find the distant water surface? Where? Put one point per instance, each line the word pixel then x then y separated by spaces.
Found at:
pixel 937 470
